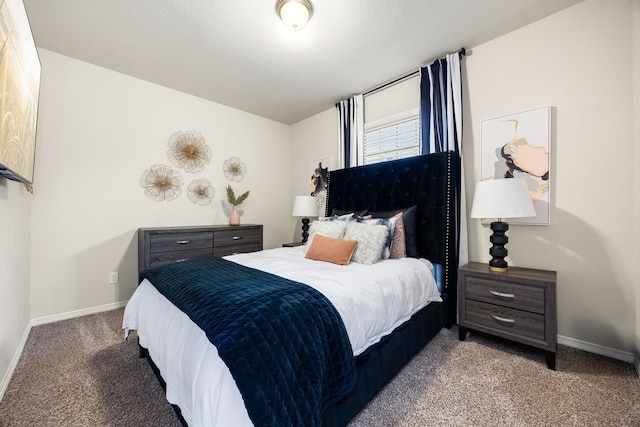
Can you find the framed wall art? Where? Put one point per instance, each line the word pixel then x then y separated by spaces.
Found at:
pixel 318 170
pixel 519 146
pixel 19 91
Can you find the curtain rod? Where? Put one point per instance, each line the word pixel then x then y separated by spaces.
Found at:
pixel 462 52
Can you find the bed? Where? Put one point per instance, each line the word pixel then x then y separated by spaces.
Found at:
pixel 200 384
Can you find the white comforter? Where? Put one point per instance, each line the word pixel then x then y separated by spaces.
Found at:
pixel 372 301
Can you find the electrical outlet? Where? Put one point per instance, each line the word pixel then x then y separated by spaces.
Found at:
pixel 113 278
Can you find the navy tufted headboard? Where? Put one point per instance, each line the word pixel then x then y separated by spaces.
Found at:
pixel 431 182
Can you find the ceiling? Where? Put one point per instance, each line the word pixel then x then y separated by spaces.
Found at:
pixel 238 53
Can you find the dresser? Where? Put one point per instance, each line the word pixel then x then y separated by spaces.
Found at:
pixel 165 245
pixel 518 305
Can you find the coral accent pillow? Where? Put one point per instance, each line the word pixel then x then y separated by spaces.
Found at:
pixel 327 249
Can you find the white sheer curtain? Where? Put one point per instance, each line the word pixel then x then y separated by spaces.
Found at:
pixel 351 129
pixel 441 125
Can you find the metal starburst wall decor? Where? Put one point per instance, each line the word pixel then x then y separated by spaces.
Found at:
pixel 201 192
pixel 189 151
pixel 234 169
pixel 160 182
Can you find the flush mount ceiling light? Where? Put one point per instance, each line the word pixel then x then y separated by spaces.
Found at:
pixel 294 13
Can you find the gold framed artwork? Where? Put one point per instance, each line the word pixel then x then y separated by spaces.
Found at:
pixel 19 91
pixel 519 146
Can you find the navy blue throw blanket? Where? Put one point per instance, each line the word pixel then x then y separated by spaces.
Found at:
pixel 283 341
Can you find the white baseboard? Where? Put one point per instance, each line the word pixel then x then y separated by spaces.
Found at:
pixel 14 361
pixel 625 356
pixel 49 319
pixel 78 313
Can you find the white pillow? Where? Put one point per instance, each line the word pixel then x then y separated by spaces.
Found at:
pixel 333 229
pixel 390 223
pixel 371 239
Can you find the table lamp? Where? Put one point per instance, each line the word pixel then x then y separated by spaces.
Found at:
pixel 305 207
pixel 501 198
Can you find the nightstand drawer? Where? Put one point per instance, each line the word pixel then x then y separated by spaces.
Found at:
pixel 494 318
pixel 162 258
pixel 172 242
pixel 251 236
pixel 506 294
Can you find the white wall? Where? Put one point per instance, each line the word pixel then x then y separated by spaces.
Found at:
pixel 311 139
pixel 636 170
pixel 579 62
pixel 15 207
pixel 98 131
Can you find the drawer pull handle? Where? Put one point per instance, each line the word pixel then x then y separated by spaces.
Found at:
pixel 183 242
pixel 237 237
pixel 503 319
pixel 501 294
pixel 182 260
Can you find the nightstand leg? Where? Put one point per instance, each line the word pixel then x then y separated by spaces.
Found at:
pixel 462 333
pixel 550 357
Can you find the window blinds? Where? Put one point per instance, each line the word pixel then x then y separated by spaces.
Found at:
pixel 392 141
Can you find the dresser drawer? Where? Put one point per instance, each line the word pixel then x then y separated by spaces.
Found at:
pixel 165 245
pixel 238 237
pixel 162 258
pixel 172 242
pixel 505 321
pixel 236 249
pixel 506 294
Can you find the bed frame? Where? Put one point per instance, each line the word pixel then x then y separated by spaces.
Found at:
pixel 431 182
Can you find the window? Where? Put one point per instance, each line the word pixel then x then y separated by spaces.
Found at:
pixel 394 137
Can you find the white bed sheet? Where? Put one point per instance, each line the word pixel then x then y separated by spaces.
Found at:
pixel 372 301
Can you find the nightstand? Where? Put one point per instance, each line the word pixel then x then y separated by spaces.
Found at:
pixel 292 245
pixel 518 305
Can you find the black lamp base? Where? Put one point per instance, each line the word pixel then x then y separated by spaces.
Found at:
pixel 498 252
pixel 305 230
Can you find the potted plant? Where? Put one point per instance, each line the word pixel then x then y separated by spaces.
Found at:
pixel 234 218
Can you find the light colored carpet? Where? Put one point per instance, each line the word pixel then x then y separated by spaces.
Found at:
pixel 484 382
pixel 80 372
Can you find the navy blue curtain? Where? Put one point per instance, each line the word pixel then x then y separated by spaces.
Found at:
pixel 441 105
pixel 441 126
pixel 351 121
pixel 430 102
pixel 346 109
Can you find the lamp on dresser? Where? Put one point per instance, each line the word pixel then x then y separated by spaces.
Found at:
pixel 501 198
pixel 305 207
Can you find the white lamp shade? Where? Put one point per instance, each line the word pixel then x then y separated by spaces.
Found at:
pixel 305 206
pixel 294 13
pixel 502 198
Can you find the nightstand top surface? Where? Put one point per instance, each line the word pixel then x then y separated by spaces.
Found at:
pixel 520 272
